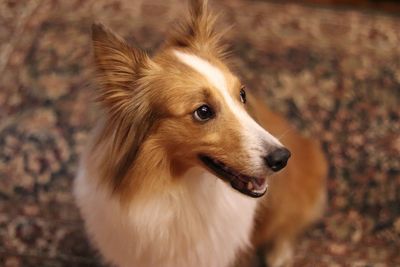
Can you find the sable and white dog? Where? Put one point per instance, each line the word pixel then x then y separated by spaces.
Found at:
pixel 174 169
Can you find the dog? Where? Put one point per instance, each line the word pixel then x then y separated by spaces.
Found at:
pixel 175 171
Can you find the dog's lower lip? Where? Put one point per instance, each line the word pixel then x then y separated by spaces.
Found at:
pixel 252 186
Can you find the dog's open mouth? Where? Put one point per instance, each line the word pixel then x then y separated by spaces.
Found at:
pixel 248 185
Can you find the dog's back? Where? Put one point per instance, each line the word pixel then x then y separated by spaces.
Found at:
pixel 296 196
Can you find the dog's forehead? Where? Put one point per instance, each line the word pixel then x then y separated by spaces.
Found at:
pixel 215 72
pixel 212 73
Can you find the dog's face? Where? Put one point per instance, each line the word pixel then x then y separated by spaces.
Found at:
pixel 206 123
pixel 187 102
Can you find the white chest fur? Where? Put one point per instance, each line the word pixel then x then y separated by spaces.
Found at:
pixel 201 223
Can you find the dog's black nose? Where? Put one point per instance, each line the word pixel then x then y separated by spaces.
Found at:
pixel 277 159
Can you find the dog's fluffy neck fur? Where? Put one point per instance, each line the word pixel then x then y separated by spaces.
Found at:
pixel 191 220
pixel 198 222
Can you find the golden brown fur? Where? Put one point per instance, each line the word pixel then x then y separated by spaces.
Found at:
pixel 296 196
pixel 147 139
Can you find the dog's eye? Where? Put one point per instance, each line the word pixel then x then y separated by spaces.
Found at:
pixel 243 94
pixel 203 113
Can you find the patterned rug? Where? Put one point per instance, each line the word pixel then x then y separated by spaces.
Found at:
pixel 334 73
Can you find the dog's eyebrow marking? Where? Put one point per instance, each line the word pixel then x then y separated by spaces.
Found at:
pixel 206 93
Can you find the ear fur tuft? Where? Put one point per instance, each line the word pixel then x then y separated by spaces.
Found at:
pixel 128 118
pixel 118 66
pixel 198 31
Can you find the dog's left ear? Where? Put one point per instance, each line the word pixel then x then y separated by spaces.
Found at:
pixel 198 31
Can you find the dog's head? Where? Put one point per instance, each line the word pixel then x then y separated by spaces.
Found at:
pixel 185 104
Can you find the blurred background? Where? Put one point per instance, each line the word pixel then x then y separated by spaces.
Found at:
pixel 331 67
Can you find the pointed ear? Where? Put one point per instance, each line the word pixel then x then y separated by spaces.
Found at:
pixel 118 66
pixel 199 30
pixel 129 117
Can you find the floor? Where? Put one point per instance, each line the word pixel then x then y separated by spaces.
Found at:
pixel 390 6
pixel 335 73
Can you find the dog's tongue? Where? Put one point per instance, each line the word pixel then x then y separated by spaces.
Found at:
pixel 258 182
pixel 252 185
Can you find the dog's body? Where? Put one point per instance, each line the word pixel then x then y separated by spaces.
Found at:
pixel 152 184
pixel 296 196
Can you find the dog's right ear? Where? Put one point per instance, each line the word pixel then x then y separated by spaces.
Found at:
pixel 118 66
pixel 120 91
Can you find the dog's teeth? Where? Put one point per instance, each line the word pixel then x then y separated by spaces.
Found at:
pixel 250 186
